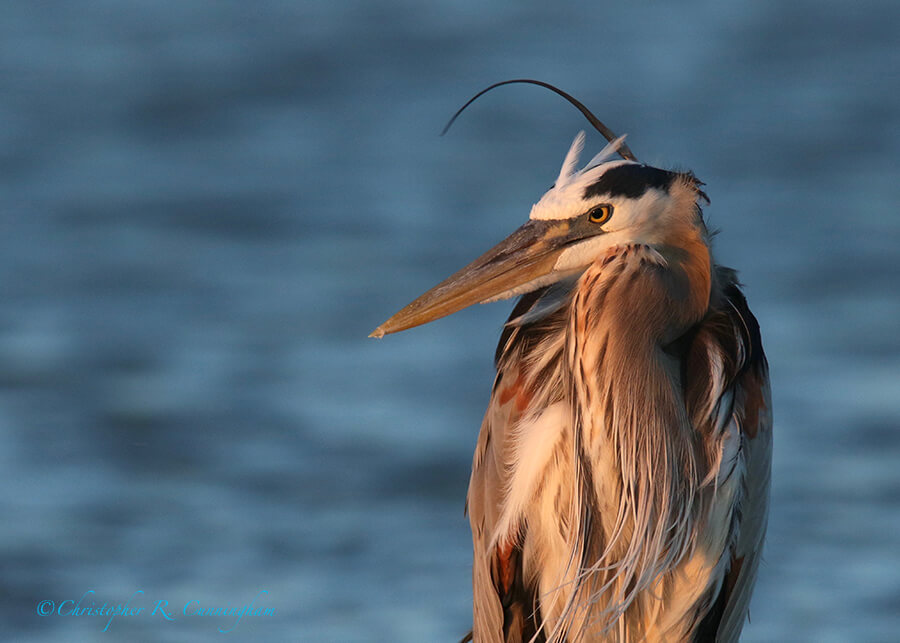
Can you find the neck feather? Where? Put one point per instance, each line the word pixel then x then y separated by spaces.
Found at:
pixel 638 461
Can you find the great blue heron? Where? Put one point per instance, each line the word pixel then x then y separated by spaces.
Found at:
pixel 620 484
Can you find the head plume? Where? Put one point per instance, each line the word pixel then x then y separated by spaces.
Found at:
pixel 564 199
pixel 608 134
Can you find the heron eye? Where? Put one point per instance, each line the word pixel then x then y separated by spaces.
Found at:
pixel 601 214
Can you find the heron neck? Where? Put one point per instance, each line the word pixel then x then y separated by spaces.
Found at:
pixel 633 435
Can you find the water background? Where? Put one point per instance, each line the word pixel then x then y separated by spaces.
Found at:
pixel 206 207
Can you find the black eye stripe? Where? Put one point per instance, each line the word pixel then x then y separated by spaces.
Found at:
pixel 630 181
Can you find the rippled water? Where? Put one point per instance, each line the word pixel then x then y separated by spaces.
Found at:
pixel 207 206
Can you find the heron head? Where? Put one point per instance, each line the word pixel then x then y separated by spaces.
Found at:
pixel 605 204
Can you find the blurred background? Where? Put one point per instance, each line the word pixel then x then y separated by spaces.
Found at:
pixel 207 206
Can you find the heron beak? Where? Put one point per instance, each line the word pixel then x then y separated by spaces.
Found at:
pixel 527 255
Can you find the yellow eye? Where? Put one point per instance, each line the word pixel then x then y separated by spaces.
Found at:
pixel 601 214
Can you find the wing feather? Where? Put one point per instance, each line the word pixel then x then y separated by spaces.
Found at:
pixel 755 422
pixel 504 606
pixel 729 348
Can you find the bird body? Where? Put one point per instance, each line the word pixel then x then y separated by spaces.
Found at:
pixel 619 485
pixel 643 548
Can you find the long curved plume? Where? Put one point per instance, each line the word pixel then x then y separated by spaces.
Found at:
pixel 608 134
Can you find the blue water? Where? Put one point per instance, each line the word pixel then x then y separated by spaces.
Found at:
pixel 207 206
